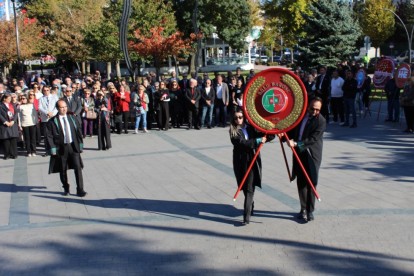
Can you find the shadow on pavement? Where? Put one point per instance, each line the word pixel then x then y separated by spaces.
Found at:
pixel 110 253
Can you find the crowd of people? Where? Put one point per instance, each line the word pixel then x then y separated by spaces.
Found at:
pixel 104 106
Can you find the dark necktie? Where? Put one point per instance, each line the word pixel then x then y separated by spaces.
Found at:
pixel 66 126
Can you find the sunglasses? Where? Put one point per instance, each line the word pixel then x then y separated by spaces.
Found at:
pixel 238 117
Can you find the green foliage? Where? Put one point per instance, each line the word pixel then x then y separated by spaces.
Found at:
pixel 290 17
pixel 405 10
pixel 332 33
pixel 377 21
pixel 229 19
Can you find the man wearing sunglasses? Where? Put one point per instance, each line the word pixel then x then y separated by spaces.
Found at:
pixel 307 140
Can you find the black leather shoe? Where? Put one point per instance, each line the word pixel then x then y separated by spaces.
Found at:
pixel 82 194
pixel 301 215
pixel 5 157
pixel 66 192
pixel 310 216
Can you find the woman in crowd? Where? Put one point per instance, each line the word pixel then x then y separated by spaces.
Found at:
pixel 407 102
pixel 8 127
pixel 121 102
pixel 237 93
pixel 141 102
pixel 31 98
pixel 102 107
pixel 88 104
pixel 28 120
pixel 175 103
pixel 208 95
pixel 245 141
pixel 162 96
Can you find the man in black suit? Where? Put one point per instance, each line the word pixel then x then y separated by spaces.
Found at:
pixel 65 139
pixel 322 90
pixel 192 96
pixel 73 103
pixel 308 143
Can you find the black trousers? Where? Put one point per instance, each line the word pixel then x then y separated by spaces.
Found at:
pixel 104 136
pixel 248 191
pixel 43 125
pixel 164 115
pixel 125 119
pixel 337 107
pixel 9 147
pixel 409 117
pixel 74 157
pixel 29 135
pixel 193 116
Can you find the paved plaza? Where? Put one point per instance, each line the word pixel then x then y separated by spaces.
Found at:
pixel 162 203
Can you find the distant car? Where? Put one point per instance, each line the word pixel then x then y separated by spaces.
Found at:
pixel 277 59
pixel 264 59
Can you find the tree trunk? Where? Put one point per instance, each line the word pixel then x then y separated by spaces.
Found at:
pixel 118 69
pixel 88 67
pixel 108 70
pixel 191 64
pixel 83 67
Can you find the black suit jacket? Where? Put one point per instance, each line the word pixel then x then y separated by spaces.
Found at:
pixel 310 147
pixel 324 90
pixel 74 107
pixel 55 137
pixel 210 97
pixel 190 96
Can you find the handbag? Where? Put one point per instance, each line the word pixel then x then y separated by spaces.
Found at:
pixel 91 115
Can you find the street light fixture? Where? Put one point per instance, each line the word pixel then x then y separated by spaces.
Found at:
pixel 409 37
pixel 391 47
pixel 17 37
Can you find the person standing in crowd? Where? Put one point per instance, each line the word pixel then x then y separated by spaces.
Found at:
pixel 246 140
pixel 163 98
pixel 141 102
pixel 65 138
pixel 307 140
pixel 221 101
pixel 175 103
pixel 74 104
pixel 237 94
pixel 28 119
pixel 207 102
pixel 9 131
pixel 121 100
pixel 250 76
pixel 310 85
pixel 350 89
pixel 193 96
pixel 322 87
pixel 47 110
pixel 407 102
pixel 239 76
pixel 366 93
pixel 103 109
pixel 337 97
pixel 149 90
pixel 393 100
pixel 88 104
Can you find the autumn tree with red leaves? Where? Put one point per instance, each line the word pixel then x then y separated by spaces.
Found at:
pixel 159 46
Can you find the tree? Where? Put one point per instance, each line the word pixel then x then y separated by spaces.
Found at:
pixel 332 33
pixel 377 21
pixel 289 15
pixel 29 42
pixel 64 23
pixel 160 46
pixel 405 10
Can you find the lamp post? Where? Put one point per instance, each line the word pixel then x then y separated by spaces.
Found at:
pixel 17 37
pixel 391 47
pixel 409 37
